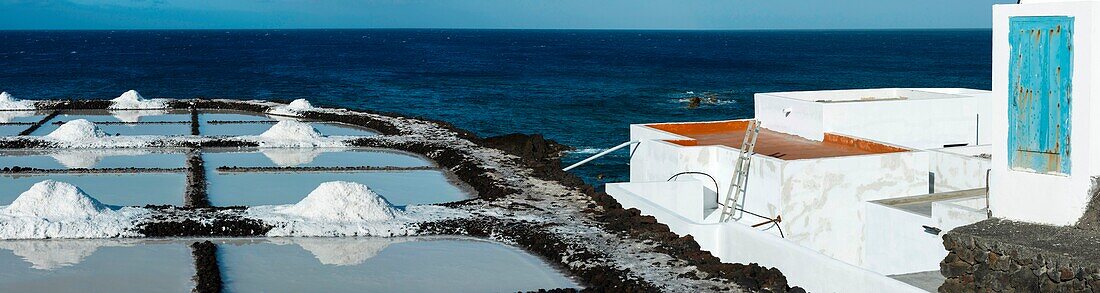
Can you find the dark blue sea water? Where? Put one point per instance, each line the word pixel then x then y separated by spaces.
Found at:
pixel 582 88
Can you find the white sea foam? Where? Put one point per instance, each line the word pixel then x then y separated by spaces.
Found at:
pixel 8 102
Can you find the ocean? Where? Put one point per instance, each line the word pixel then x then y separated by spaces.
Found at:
pixel 579 87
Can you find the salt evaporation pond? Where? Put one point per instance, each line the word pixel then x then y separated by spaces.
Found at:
pixel 316 157
pixel 180 122
pixel 263 123
pixel 12 130
pixel 241 129
pixel 382 265
pixel 94 158
pixel 112 189
pixel 95 266
pixel 21 116
pixel 398 187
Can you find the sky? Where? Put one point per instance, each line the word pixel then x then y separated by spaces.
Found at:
pixel 509 14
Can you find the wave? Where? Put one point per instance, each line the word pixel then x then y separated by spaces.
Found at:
pixel 586 151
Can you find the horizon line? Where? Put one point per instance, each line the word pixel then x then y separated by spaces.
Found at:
pixel 505 29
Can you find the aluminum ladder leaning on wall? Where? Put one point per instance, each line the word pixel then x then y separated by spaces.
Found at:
pixel 740 173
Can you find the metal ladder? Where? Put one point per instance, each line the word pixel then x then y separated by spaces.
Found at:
pixel 736 191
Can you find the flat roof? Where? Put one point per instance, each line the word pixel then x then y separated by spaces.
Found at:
pixel 868 95
pixel 771 143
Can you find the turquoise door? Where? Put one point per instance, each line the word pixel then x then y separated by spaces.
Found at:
pixel 1039 87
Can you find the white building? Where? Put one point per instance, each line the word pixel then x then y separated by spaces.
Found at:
pixel 856 176
pixel 864 181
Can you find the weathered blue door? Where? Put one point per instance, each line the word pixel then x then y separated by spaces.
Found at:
pixel 1039 87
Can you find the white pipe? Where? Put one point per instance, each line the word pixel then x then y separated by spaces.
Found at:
pixel 601 154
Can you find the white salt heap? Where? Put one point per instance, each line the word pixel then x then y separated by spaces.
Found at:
pixel 295 108
pixel 294 134
pixel 342 201
pixel 55 200
pixel 291 130
pixel 7 102
pixel 52 209
pixel 76 130
pixel 132 100
pixel 340 209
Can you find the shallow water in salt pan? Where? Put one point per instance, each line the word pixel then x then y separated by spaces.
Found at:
pixel 21 116
pixel 241 129
pixel 12 130
pixel 93 158
pixel 399 188
pixel 383 265
pixel 126 116
pixel 317 157
pixel 95 266
pixel 111 189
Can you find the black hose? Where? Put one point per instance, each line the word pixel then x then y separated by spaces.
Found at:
pixel 720 203
pixel 700 173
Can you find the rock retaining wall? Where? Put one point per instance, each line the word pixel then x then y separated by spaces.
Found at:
pixel 998 255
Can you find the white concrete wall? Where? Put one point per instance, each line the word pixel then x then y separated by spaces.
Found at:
pixel 792 116
pixel 822 199
pixel 736 243
pixel 688 199
pixel 897 244
pixel 926 118
pixel 1042 198
pixel 948 215
pixel 956 172
pixel 914 123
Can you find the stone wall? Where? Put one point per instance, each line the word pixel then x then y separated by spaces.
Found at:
pixel 1000 255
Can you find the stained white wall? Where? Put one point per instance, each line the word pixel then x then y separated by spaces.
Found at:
pixel 823 199
pixel 957 171
pixel 1041 198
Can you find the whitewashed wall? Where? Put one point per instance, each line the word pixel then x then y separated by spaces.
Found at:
pixel 823 199
pixel 928 118
pixel 957 171
pixel 1040 198
pixel 791 116
pixel 897 244
pixel 915 123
